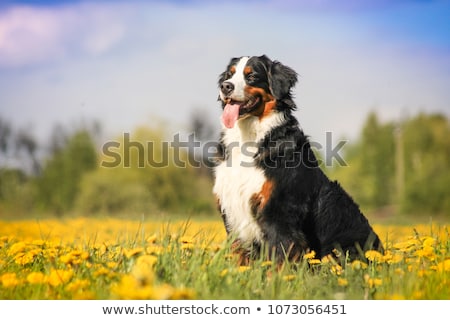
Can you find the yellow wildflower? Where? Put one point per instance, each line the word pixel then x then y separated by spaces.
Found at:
pixel 132 252
pixel 336 269
pixel 443 266
pixel 16 248
pixel 342 282
pixel 314 261
pixel 428 242
pixel 36 278
pixel 143 269
pixel 309 255
pixel 289 277
pixel 267 263
pixel 223 273
pixel 77 285
pixel 243 268
pixel 373 282
pixel 374 256
pixel 186 239
pixel 9 280
pixel 59 276
pixel 151 239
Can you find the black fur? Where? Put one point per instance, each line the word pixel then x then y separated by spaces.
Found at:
pixel 306 211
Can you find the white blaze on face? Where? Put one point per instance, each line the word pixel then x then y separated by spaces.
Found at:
pixel 238 81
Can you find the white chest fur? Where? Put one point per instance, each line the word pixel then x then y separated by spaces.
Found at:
pixel 237 178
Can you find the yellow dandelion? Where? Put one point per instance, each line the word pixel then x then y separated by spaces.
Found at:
pixel 289 277
pixel 112 264
pixel 309 255
pixel 336 269
pixel 372 282
pixel 342 282
pixel 374 256
pixel 77 285
pixel 314 261
pixel 16 248
pixel 59 276
pixel 443 266
pixel 243 268
pixel 24 258
pixel 9 280
pixel 392 258
pixel 38 242
pixel 186 239
pixel 143 269
pixel 427 252
pixel 36 278
pixel 102 271
pixel 223 273
pixel 151 239
pixel 132 252
pixel 267 263
pixel 428 242
pixel 147 260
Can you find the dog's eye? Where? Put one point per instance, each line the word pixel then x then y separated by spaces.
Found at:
pixel 228 75
pixel 251 77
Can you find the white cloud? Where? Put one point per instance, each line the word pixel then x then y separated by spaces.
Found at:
pixel 30 35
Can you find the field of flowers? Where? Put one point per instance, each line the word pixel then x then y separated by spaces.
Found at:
pixel 121 259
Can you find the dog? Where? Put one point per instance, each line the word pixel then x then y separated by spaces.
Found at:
pixel 273 197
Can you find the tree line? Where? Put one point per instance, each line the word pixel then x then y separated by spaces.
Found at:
pixel 401 165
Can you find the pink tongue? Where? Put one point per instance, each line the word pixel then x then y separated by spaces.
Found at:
pixel 230 115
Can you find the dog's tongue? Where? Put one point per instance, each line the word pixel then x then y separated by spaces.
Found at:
pixel 230 114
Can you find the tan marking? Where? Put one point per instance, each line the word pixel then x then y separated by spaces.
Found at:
pixel 259 200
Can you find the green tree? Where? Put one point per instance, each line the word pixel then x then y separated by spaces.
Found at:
pixel 369 176
pixel 59 182
pixel 426 164
pixel 141 174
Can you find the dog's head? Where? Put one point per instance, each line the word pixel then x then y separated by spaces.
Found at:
pixel 255 86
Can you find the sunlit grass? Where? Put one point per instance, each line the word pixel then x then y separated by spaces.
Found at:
pixel 122 259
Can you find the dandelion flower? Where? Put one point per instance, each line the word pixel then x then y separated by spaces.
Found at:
pixel 374 256
pixel 289 277
pixel 9 280
pixel 342 282
pixel 243 268
pixel 58 277
pixel 36 278
pixel 132 252
pixel 309 255
pixel 443 266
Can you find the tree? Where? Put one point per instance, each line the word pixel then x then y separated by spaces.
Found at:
pixel 59 183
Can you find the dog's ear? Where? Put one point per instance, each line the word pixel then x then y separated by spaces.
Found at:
pixel 224 74
pixel 281 80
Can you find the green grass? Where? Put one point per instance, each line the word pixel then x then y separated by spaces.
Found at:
pixel 187 263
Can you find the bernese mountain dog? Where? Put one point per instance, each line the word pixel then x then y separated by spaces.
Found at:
pixel 273 197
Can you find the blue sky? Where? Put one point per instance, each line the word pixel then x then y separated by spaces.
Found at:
pixel 130 63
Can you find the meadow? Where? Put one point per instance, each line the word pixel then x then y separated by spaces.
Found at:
pixel 92 258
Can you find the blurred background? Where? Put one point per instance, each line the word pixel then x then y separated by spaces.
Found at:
pixel 374 78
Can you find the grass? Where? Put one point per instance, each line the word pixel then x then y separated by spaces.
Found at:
pixel 86 258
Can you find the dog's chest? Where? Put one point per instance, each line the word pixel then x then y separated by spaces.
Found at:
pixel 237 181
pixel 235 185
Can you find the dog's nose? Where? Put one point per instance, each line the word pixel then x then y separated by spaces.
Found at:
pixel 227 88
